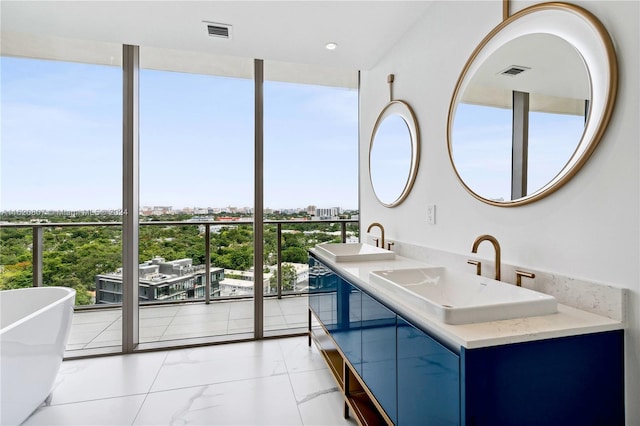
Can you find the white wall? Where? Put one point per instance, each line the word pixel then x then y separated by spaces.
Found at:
pixel 589 229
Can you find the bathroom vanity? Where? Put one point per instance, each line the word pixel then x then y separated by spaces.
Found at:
pixel 397 364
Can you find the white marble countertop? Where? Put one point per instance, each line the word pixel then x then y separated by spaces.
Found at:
pixel 567 321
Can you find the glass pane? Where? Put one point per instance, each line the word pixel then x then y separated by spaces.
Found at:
pixel 310 182
pixel 196 176
pixel 62 171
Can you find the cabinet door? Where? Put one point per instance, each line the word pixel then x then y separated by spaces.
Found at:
pixel 323 287
pixel 348 333
pixel 314 277
pixel 379 353
pixel 574 380
pixel 428 379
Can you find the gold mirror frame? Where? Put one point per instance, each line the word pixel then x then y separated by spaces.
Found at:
pixel 588 36
pixel 402 109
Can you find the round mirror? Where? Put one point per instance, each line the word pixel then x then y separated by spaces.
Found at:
pixel 394 153
pixel 531 104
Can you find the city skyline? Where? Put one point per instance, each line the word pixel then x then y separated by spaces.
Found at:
pixel 168 210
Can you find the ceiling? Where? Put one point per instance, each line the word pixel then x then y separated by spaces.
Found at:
pixel 288 31
pixel 555 75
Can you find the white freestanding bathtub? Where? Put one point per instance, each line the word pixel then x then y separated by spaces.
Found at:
pixel 34 329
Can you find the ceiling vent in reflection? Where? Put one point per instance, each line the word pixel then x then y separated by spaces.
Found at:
pixel 218 30
pixel 514 70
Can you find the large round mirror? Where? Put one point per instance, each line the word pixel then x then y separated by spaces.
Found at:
pixel 394 153
pixel 531 104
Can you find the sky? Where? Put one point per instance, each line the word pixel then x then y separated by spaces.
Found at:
pixel 481 146
pixel 61 140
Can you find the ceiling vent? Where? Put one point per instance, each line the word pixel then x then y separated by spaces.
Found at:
pixel 218 30
pixel 514 70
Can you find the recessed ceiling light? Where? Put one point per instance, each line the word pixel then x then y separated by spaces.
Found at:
pixel 331 46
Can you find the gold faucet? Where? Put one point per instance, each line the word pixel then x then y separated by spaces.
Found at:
pixel 520 274
pixel 381 232
pixel 496 246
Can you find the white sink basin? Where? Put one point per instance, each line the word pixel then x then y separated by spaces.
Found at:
pixel 353 252
pixel 461 298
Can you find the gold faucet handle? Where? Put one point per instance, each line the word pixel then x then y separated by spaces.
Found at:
pixel 478 265
pixel 389 245
pixel 520 274
pixel 377 240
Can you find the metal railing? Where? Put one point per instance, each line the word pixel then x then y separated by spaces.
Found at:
pixel 38 242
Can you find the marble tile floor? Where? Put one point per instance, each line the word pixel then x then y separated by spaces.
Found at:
pixel 103 328
pixel 267 382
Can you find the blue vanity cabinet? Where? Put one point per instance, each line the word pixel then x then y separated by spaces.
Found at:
pixel 575 380
pixel 348 330
pixel 323 289
pixel 428 379
pixel 417 380
pixel 337 305
pixel 379 353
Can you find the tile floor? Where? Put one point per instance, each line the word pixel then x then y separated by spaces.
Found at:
pixel 268 382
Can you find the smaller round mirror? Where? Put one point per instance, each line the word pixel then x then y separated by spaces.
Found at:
pixel 394 153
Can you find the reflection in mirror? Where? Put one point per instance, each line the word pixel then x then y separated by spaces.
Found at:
pixel 394 153
pixel 488 130
pixel 531 104
pixel 552 141
pixel 482 149
pixel 390 158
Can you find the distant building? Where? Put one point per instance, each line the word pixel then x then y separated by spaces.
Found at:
pixel 156 210
pixel 240 283
pixel 328 213
pixel 160 280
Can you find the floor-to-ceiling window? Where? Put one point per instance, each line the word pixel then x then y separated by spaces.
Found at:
pixel 63 179
pixel 310 174
pixel 61 168
pixel 196 166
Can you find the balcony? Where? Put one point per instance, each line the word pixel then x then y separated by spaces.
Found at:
pixel 183 323
pixel 211 318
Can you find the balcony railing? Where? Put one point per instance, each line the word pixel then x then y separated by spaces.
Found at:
pixel 38 245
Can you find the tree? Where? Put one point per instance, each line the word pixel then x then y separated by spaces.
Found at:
pixel 19 275
pixel 295 255
pixel 240 258
pixel 289 277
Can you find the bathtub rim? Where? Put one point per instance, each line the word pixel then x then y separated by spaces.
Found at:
pixel 71 293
